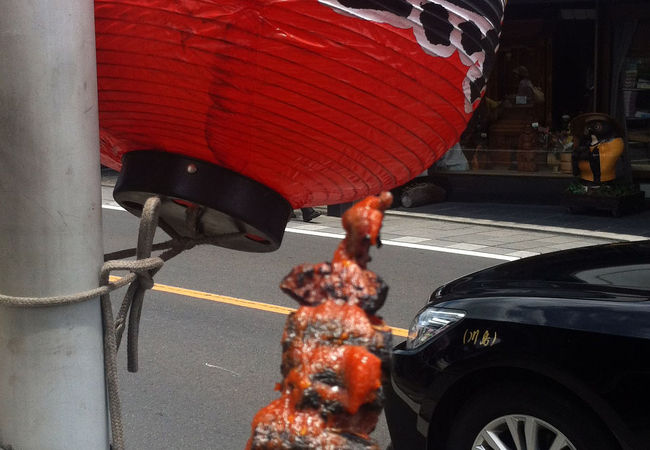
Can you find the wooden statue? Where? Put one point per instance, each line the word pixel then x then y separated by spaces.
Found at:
pixel 526 151
pixel 599 147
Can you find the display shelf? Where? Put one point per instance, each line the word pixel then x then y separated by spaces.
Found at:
pixel 639 136
pixel 638 128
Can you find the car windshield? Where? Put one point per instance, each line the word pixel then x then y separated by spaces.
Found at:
pixel 614 267
pixel 630 276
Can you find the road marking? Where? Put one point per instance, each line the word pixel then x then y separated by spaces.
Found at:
pixel 114 207
pixel 213 366
pixel 434 248
pixel 431 248
pixel 251 304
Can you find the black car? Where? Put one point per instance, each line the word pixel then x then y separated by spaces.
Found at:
pixel 550 352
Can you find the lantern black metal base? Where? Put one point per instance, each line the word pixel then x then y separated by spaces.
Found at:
pixel 234 211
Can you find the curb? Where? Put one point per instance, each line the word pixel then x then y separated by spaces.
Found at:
pixel 521 226
pixel 110 182
pixel 511 225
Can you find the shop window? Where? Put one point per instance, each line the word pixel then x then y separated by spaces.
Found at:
pixel 635 90
pixel 543 77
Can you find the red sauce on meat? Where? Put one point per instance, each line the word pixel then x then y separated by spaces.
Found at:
pixel 333 347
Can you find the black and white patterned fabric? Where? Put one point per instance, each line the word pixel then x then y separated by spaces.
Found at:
pixel 442 27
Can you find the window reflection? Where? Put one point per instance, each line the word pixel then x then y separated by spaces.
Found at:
pixel 631 276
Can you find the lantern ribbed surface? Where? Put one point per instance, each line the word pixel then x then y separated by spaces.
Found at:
pixel 324 102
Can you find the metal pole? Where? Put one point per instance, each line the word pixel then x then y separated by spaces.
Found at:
pixel 52 390
pixel 596 50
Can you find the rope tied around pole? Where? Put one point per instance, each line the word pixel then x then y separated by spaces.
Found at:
pixel 139 280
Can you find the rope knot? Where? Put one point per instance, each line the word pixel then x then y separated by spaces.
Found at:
pixel 184 243
pixel 146 280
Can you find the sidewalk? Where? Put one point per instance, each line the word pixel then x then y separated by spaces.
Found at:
pixel 474 229
pixel 495 230
pixel 525 230
pixel 540 217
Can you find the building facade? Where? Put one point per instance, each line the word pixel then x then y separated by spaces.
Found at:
pixel 557 59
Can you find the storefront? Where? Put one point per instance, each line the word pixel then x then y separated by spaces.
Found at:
pixel 557 60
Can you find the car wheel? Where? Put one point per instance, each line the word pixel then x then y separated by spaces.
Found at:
pixel 525 417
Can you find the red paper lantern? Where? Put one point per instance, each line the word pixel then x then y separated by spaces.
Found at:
pixel 321 102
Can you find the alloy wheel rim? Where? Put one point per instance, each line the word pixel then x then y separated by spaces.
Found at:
pixel 521 432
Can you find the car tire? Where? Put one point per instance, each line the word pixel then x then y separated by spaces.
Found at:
pixel 507 408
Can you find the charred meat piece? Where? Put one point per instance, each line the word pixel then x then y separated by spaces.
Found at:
pixel 311 285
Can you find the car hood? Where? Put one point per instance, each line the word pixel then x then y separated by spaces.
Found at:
pixel 617 272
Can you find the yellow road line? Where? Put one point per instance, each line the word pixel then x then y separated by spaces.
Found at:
pixel 237 301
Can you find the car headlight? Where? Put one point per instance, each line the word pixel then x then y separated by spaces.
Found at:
pixel 428 323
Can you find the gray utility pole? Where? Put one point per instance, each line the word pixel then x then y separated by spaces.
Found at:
pixel 52 389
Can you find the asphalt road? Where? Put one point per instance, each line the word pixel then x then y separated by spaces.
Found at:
pixel 206 366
